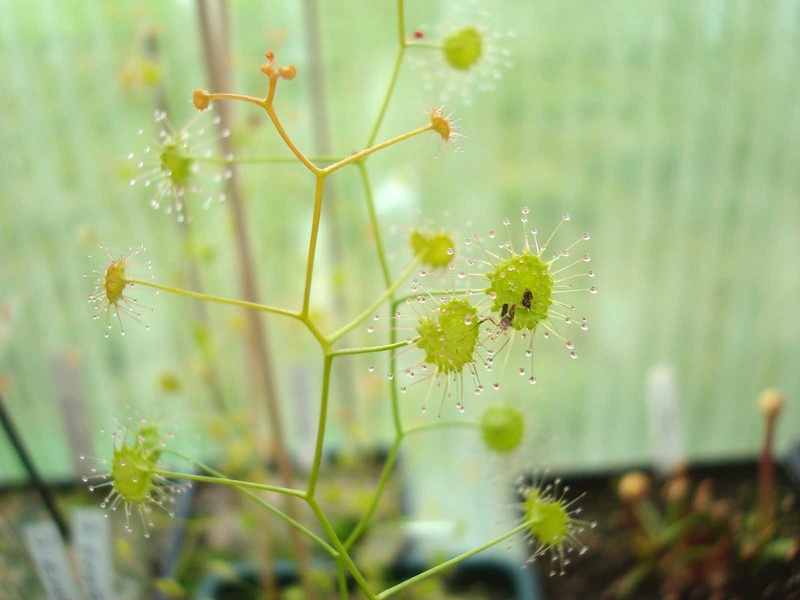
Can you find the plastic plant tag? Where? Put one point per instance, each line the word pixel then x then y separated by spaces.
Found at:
pixel 665 427
pixel 71 395
pixel 92 544
pixel 50 556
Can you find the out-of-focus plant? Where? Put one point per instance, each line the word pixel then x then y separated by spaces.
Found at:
pixel 691 541
pixel 468 304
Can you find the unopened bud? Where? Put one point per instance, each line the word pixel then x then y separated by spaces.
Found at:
pixel 200 99
pixel 268 68
pixel 633 487
pixel 287 73
pixel 771 402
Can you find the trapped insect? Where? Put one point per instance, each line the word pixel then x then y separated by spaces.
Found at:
pixel 507 316
pixel 527 298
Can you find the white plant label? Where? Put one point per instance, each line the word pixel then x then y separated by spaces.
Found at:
pixel 50 556
pixel 92 543
pixel 665 425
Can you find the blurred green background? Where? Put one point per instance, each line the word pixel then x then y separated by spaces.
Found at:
pixel 668 130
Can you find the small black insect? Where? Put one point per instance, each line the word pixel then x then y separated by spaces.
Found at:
pixel 507 316
pixel 527 299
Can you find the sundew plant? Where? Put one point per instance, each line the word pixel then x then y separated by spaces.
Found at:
pixel 466 307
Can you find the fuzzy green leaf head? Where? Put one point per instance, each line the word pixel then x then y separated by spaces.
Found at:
pixel 111 282
pixel 463 48
pixel 547 519
pixel 524 282
pixel 170 171
pixel 552 523
pixel 435 249
pixel 131 472
pixel 502 427
pixel 115 282
pixel 177 166
pixel 449 342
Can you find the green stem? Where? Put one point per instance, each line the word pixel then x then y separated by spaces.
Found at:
pixel 312 244
pixel 232 483
pixel 260 159
pixel 374 223
pixel 364 153
pixel 312 327
pixel 398 61
pixel 217 299
pixel 342 575
pixel 438 424
pixel 429 293
pixel 337 544
pixel 431 45
pixel 380 300
pixel 282 132
pixel 323 417
pixel 385 473
pixel 292 522
pixel 401 23
pixel 369 349
pixel 376 228
pixel 387 469
pixel 450 563
pixel 395 397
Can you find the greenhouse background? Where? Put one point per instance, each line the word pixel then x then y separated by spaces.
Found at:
pixel 670 131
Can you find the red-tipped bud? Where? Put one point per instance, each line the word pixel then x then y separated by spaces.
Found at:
pixel 268 68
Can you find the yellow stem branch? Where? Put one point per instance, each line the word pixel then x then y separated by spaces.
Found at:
pixel 368 151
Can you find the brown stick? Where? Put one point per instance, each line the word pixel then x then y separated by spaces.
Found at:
pixel 766 483
pixel 770 403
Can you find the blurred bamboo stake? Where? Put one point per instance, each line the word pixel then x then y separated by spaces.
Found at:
pixel 261 362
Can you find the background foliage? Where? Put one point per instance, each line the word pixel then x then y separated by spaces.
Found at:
pixel 669 130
